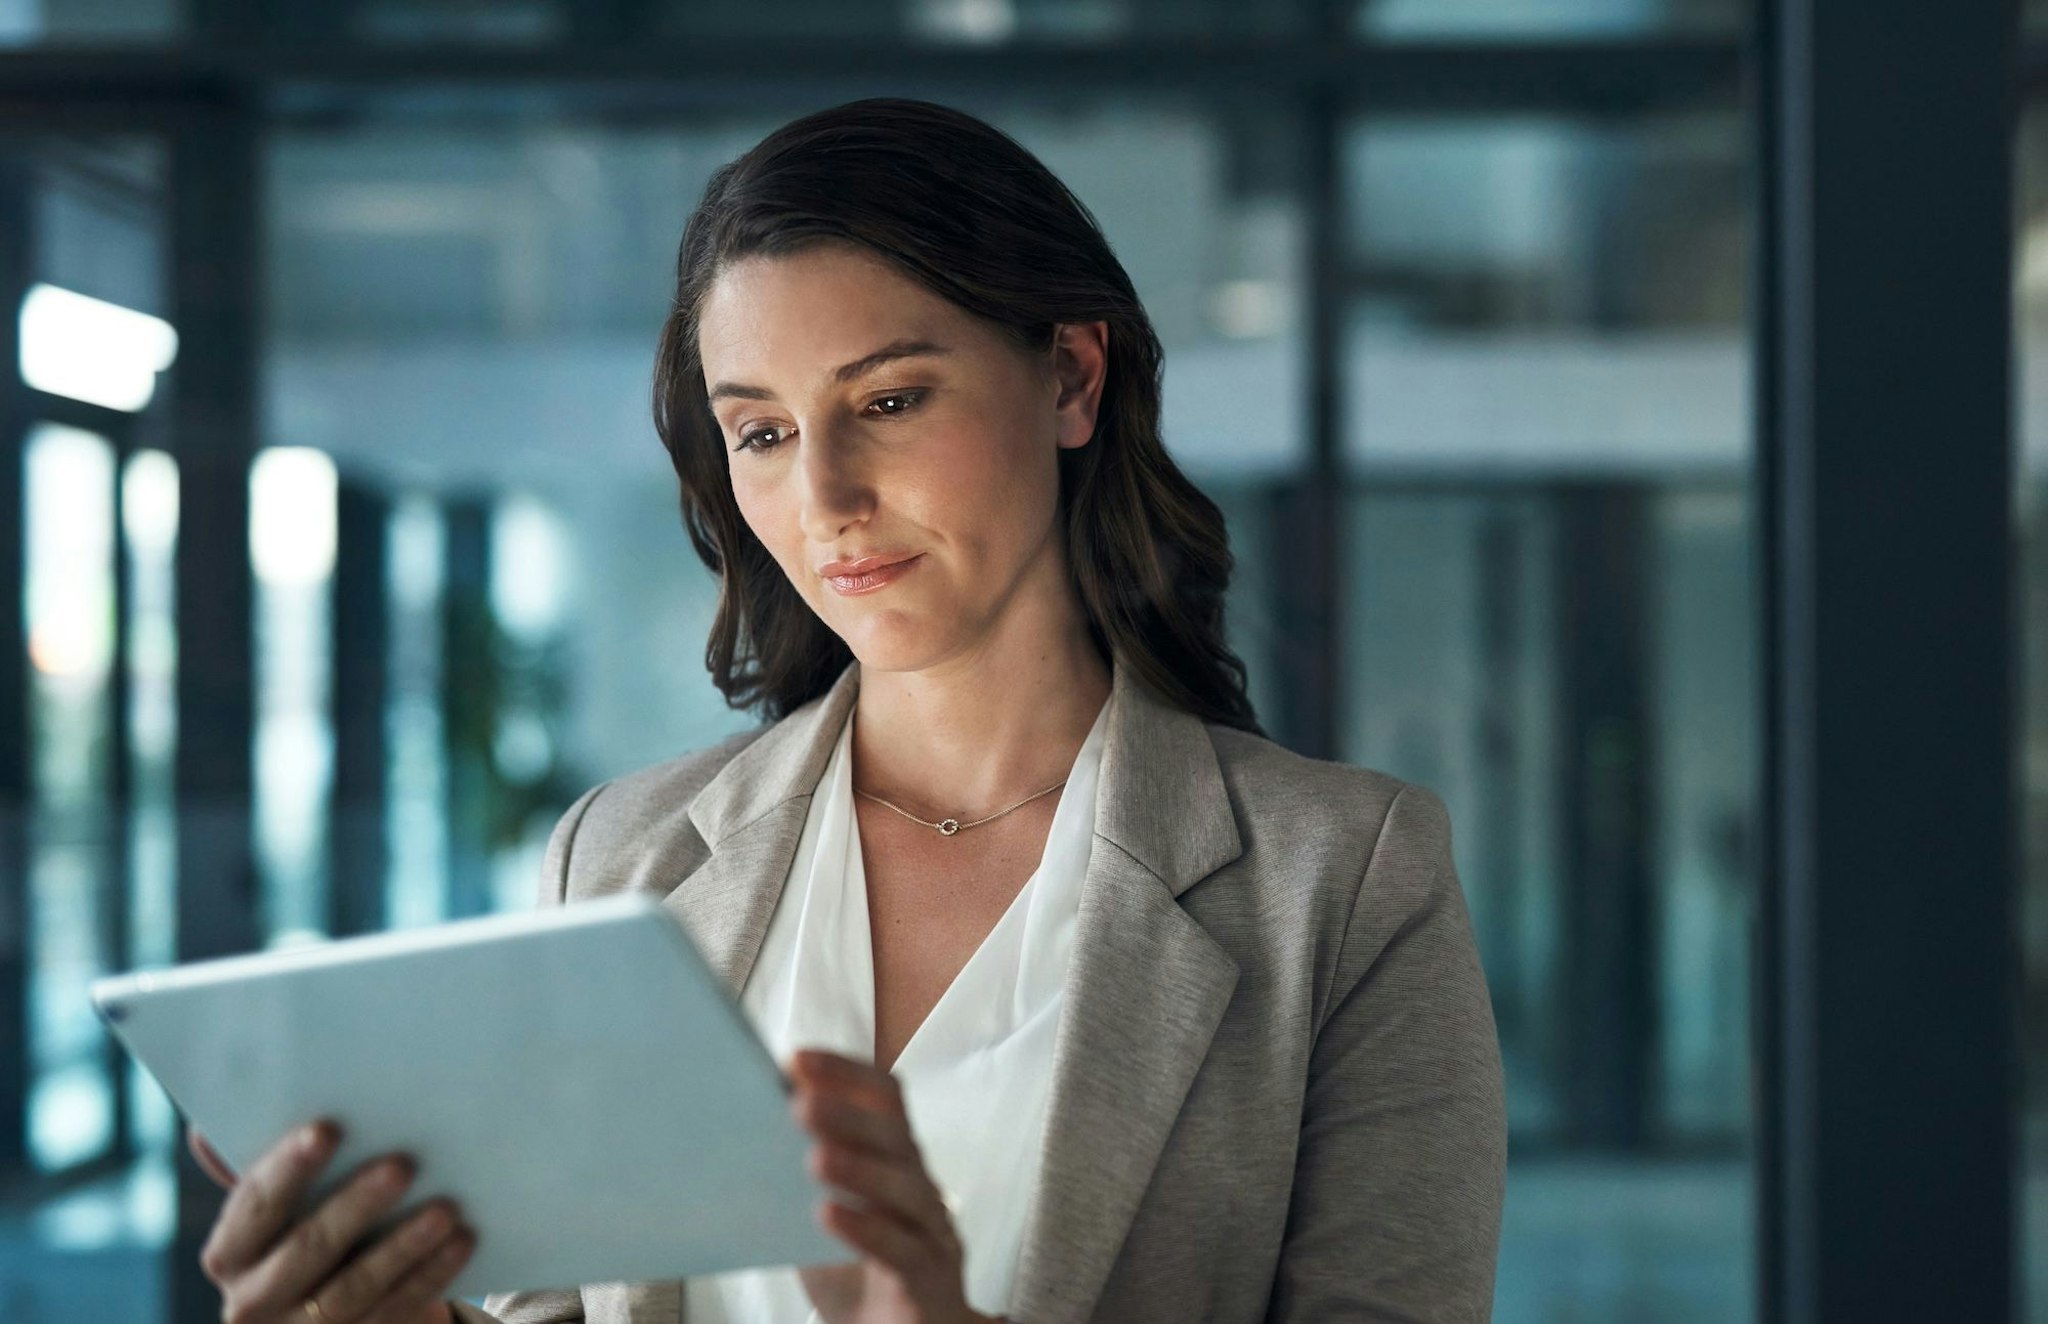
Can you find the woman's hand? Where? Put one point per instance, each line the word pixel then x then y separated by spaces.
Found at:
pixel 269 1267
pixel 910 1266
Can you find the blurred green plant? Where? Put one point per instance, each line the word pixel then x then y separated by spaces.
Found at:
pixel 505 700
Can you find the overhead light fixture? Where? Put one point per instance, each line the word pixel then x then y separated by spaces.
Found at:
pixel 292 516
pixel 87 349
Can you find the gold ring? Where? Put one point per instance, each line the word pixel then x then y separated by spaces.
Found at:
pixel 313 1311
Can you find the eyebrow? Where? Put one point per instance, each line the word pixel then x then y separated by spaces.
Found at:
pixel 846 372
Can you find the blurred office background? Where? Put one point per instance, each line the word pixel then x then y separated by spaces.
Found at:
pixel 345 553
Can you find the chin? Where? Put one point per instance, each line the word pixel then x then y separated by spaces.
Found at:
pixel 899 644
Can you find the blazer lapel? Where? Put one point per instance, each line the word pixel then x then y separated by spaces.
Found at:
pixel 1146 988
pixel 1146 985
pixel 751 816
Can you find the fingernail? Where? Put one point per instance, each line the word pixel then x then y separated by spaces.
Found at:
pixel 313 1138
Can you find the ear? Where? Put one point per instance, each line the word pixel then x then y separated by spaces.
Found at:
pixel 1080 365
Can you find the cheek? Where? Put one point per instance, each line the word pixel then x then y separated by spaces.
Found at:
pixel 762 507
pixel 752 501
pixel 992 529
pixel 1011 484
pixel 972 466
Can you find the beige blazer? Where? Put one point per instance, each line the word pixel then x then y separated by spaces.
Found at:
pixel 1277 1087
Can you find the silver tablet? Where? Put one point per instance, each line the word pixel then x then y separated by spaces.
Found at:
pixel 576 1078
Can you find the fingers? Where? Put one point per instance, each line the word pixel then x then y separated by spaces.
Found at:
pixel 209 1160
pixel 866 1150
pixel 877 1235
pixel 312 1250
pixel 857 1082
pixel 428 1282
pixel 387 1272
pixel 262 1202
pixel 901 1189
pixel 831 1117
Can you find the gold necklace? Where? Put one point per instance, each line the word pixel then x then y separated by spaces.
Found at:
pixel 946 827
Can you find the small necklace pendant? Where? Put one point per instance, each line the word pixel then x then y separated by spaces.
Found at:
pixel 949 827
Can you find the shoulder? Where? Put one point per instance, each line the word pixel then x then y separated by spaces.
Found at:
pixel 655 791
pixel 1337 860
pixel 1345 809
pixel 622 827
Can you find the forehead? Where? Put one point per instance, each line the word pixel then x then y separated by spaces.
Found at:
pixel 796 317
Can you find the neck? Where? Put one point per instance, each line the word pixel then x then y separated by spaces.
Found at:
pixel 984 729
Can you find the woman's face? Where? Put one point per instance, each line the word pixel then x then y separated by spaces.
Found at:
pixel 893 453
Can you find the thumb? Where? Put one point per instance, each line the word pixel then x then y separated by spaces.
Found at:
pixel 209 1159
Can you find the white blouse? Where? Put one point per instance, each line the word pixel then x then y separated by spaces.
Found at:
pixel 975 1075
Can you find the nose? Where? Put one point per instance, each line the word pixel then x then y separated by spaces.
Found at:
pixel 835 490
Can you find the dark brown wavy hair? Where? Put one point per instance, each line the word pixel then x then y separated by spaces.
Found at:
pixel 963 209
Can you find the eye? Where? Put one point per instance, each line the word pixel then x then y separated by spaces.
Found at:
pixel 752 441
pixel 763 439
pixel 910 400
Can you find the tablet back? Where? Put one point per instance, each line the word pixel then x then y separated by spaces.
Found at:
pixel 575 1078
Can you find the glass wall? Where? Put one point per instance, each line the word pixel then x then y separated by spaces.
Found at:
pixel 1502 19
pixel 1550 620
pixel 77 22
pixel 542 23
pixel 471 315
pixel 86 829
pixel 473 597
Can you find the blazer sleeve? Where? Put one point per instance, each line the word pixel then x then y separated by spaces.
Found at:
pixel 1401 1171
pixel 553 1305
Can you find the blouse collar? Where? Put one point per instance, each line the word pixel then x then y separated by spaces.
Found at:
pixel 1163 798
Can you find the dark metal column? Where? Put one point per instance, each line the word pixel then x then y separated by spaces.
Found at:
pixel 117 890
pixel 1606 763
pixel 215 240
pixel 601 23
pixel 17 757
pixel 362 670
pixel 1309 509
pixel 1504 614
pixel 1888 1090
pixel 468 702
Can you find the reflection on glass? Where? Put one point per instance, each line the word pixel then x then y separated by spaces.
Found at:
pixel 291 546
pixel 416 768
pixel 1450 633
pixel 470 315
pixel 1253 627
pixel 1547 425
pixel 502 22
pixel 69 484
pixel 974 23
pixel 531 574
pixel 2030 268
pixel 1505 19
pixel 149 524
pixel 27 22
pixel 1704 696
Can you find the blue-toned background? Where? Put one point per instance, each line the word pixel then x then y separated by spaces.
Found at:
pixel 1469 372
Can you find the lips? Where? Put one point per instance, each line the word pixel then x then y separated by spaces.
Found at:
pixel 865 574
pixel 861 565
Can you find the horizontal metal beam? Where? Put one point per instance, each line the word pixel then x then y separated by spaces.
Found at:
pixel 681 74
pixel 114 424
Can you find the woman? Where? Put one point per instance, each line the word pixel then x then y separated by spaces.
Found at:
pixel 1097 1004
